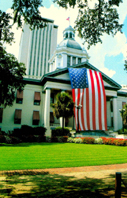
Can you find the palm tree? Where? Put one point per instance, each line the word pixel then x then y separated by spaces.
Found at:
pixel 63 107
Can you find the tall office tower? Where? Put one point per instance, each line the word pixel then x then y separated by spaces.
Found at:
pixel 36 47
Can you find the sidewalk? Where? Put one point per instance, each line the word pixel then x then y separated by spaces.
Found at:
pixel 84 169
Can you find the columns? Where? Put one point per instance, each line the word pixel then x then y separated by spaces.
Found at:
pixel 47 112
pixel 108 113
pixel 115 113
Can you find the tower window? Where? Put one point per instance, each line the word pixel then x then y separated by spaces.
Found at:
pixel 73 60
pixel 68 61
pixel 79 60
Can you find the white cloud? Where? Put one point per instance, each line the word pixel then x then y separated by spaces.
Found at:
pixel 59 15
pixel 108 72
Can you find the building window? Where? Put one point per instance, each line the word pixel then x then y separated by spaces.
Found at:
pixel 68 61
pixel 79 60
pixel 51 118
pixel 111 105
pixel 17 117
pixel 19 97
pixel 52 98
pixel 37 98
pixel 73 60
pixel 112 123
pixel 36 118
pixel 1 114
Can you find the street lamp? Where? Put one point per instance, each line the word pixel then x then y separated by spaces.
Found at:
pixel 122 111
pixel 78 107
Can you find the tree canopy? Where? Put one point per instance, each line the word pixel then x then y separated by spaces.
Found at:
pixel 11 71
pixel 11 77
pixel 91 23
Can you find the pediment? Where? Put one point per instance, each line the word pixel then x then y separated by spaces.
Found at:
pixel 63 74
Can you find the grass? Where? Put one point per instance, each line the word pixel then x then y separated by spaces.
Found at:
pixel 53 155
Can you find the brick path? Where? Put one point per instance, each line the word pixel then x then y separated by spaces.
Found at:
pixel 115 167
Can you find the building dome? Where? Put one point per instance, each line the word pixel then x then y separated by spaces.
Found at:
pixel 69 39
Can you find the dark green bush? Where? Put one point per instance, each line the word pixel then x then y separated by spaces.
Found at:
pixel 2 139
pixel 59 131
pixel 120 131
pixel 28 130
pixel 39 131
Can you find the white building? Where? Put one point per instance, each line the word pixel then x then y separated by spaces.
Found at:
pixel 32 106
pixel 36 47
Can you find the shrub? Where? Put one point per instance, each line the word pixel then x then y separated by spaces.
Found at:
pixel 88 140
pixel 8 140
pixel 98 141
pixel 48 139
pixel 78 140
pixel 62 139
pixel 120 131
pixel 15 140
pixel 2 133
pixel 70 140
pixel 115 141
pixel 59 131
pixel 39 131
pixel 2 139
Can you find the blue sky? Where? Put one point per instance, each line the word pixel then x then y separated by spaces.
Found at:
pixel 108 56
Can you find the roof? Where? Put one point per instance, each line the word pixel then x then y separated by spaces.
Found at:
pixel 71 43
pixel 87 65
pixel 50 77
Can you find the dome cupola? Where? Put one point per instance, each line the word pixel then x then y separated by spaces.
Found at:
pixel 68 52
pixel 69 39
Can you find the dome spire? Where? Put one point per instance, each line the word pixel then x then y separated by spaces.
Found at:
pixel 68 19
pixel 69 33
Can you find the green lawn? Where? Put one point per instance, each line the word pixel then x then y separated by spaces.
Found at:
pixel 52 155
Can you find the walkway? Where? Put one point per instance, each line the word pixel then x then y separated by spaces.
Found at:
pixel 84 169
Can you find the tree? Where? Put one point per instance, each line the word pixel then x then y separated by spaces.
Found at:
pixel 11 72
pixel 125 65
pixel 93 22
pixel 63 107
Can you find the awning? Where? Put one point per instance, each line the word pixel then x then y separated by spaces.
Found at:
pixel 1 112
pixel 19 94
pixel 37 96
pixel 18 113
pixel 36 115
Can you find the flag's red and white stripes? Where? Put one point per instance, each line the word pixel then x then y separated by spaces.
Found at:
pixel 92 115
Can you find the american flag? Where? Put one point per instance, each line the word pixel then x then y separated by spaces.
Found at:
pixel 88 92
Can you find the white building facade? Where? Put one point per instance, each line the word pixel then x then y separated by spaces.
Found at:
pixel 36 47
pixel 33 106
